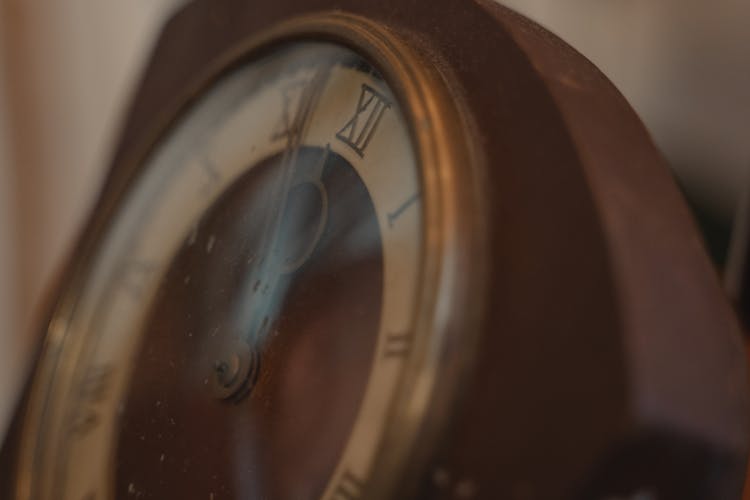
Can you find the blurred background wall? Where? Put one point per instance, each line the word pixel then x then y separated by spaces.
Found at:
pixel 67 69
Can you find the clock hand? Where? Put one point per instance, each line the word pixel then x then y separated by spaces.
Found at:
pixel 262 296
pixel 312 176
pixel 296 129
pixel 266 295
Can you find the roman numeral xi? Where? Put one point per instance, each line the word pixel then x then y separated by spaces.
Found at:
pixel 359 130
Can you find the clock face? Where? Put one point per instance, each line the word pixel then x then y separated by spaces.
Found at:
pixel 249 312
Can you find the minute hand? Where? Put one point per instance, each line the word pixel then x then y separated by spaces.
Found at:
pixel 261 298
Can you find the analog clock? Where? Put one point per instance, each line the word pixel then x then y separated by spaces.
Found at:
pixel 379 250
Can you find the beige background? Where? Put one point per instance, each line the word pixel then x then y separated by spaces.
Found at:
pixel 67 68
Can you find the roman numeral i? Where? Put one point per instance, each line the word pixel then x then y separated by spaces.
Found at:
pixel 360 129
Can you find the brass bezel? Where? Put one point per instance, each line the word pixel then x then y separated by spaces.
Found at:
pixel 448 313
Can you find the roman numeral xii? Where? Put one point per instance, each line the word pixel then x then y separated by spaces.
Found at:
pixel 359 130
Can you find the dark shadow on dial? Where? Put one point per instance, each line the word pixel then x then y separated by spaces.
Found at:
pixel 283 437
